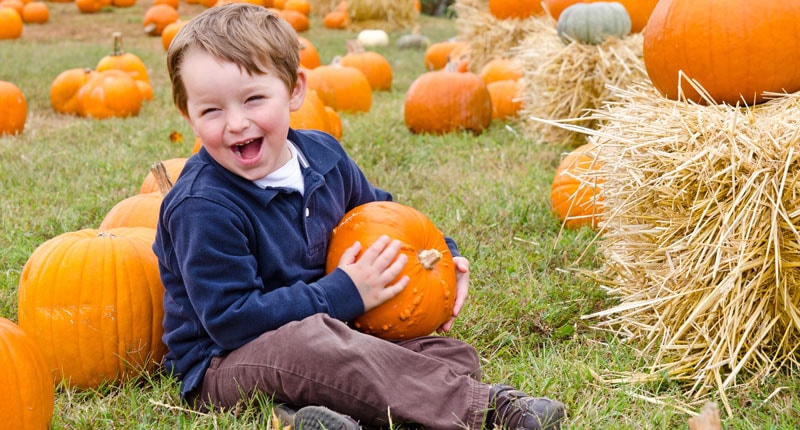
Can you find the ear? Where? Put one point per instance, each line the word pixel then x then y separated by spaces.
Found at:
pixel 299 91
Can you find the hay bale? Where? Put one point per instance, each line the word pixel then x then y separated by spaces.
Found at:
pixel 701 237
pixel 566 81
pixel 382 14
pixel 321 7
pixel 490 37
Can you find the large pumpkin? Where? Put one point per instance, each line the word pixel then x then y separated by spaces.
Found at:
pixel 92 301
pixel 373 65
pixel 65 88
pixel 13 109
pixel 110 93
pixel 441 101
pixel 28 388
pixel 427 301
pixel 575 193
pixel 735 49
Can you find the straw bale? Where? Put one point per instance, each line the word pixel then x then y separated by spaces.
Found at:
pixel 700 240
pixel 386 15
pixel 566 81
pixel 490 37
pixel 321 7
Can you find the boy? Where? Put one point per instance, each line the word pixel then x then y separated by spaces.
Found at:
pixel 242 241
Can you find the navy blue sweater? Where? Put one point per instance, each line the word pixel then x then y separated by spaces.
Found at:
pixel 237 260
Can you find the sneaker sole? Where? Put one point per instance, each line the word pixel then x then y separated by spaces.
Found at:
pixel 322 418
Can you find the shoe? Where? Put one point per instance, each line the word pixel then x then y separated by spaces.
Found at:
pixel 314 418
pixel 514 410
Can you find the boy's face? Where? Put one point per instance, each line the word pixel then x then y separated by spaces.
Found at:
pixel 243 120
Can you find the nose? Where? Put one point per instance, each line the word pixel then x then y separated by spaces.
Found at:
pixel 236 120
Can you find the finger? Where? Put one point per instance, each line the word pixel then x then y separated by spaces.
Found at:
pixel 349 255
pixel 375 250
pixel 392 290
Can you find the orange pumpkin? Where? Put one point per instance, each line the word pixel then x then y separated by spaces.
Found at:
pixel 302 6
pixel 10 23
pixel 35 12
pixel 65 87
pixel 372 64
pixel 500 69
pixel 173 166
pixel 129 63
pixel 14 109
pixel 438 54
pixel 28 388
pixel 427 302
pixel 574 195
pixel 89 6
pixel 505 98
pixel 311 115
pixel 336 19
pixel 691 35
pixel 111 93
pixel 140 210
pixel 441 101
pixel 343 88
pixel 335 122
pixel 170 31
pixel 92 301
pixel 157 17
pixel 309 56
pixel 515 9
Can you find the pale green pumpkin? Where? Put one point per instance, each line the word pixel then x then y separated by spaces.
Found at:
pixel 592 23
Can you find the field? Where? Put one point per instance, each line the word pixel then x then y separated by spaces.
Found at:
pixel 490 192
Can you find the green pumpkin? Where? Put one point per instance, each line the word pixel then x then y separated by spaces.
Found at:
pixel 592 23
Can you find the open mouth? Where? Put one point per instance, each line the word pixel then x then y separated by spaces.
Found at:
pixel 248 150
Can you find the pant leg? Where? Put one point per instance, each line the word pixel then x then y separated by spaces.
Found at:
pixel 321 361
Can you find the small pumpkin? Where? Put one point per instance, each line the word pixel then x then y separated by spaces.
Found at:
pixel 336 19
pixel 373 65
pixel 10 23
pixel 92 301
pixel 373 37
pixel 302 6
pixel 89 6
pixel 170 31
pixel 334 122
pixel 28 388
pixel 311 114
pixel 506 102
pixel 35 12
pixel 441 101
pixel 343 88
pixel 593 23
pixel 297 20
pixel 638 10
pixel 413 40
pixel 427 302
pixel 65 87
pixel 174 166
pixel 575 192
pixel 129 63
pixel 309 56
pixel 500 69
pixel 14 109
pixel 438 54
pixel 736 50
pixel 111 93
pixel 157 17
pixel 142 209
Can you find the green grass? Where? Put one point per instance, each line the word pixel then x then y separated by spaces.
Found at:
pixel 490 192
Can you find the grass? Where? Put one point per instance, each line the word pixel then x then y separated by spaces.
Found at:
pixel 490 192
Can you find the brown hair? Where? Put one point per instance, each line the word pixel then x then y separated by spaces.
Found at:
pixel 247 35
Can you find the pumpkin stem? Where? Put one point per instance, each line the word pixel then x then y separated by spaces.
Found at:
pixel 429 257
pixel 117 42
pixel 162 177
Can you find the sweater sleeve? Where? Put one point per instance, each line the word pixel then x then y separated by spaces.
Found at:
pixel 220 276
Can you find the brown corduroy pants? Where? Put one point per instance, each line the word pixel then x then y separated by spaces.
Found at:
pixel 432 381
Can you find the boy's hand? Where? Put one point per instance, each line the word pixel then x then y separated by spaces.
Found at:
pixel 372 272
pixel 462 290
